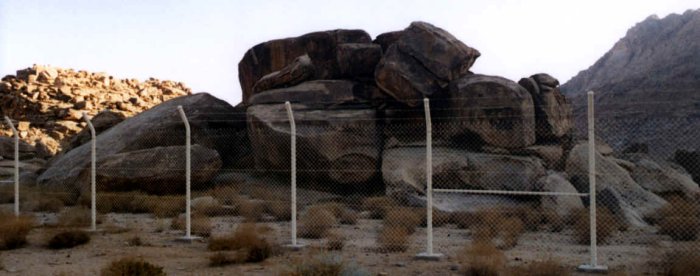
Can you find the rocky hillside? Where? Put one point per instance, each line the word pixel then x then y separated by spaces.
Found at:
pixel 648 86
pixel 47 103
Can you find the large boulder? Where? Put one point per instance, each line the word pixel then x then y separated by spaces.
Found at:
pixel 214 123
pixel 101 122
pixel 319 94
pixel 274 55
pixel 552 111
pixel 159 170
pixel 7 149
pixel 562 205
pixel 496 110
pixel 617 190
pixel 422 62
pixel 661 177
pixel 690 161
pixel 340 146
pixel 299 70
pixel 403 170
pixel 358 60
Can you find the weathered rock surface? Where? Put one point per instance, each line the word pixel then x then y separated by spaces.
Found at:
pixel 7 149
pixel 299 70
pixel 422 62
pixel 497 110
pixel 271 56
pixel 562 205
pixel 340 145
pixel 358 60
pixel 661 177
pixel 48 101
pixel 320 94
pixel 553 118
pixel 214 123
pixel 101 122
pixel 690 161
pixel 646 86
pixel 616 189
pixel 551 154
pixel 159 170
pixel 403 170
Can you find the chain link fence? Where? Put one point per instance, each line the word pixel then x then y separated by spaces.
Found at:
pixel 361 185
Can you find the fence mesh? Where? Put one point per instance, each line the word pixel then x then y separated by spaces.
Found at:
pixel 361 177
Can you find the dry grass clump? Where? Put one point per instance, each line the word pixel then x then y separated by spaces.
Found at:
pixel 14 230
pixel 679 219
pixel 320 266
pixel 463 219
pixel 252 210
pixel 166 206
pixel 246 241
pixel 404 217
pixel 341 212
pixel 201 225
pixel 377 206
pixel 68 239
pixel 495 225
pixel 134 241
pixel 606 225
pixel 335 241
pixel 226 195
pixel 549 267
pixel 510 231
pixel 281 210
pixel 440 217
pixel 43 204
pixel 482 259
pixel 127 202
pixel 211 208
pixel 393 239
pixel 316 222
pixel 132 266
pixel 77 216
pixel 680 263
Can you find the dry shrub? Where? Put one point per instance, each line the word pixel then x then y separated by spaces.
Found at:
pixel 252 210
pixel 200 225
pixel 14 230
pixel 335 241
pixel 43 204
pixel 132 266
pixel 679 219
pixel 341 212
pixel 211 209
pixel 316 222
pixel 501 224
pixel 68 239
pixel 75 217
pixel 320 266
pixel 483 259
pixel 404 217
pixel 463 219
pixel 681 263
pixel 377 206
pixel 282 211
pixel 225 194
pixel 549 267
pixel 531 217
pixel 606 225
pixel 440 217
pixel 166 206
pixel 248 243
pixel 134 241
pixel 223 259
pixel 393 239
pixel 510 231
pixel 128 202
pixel 348 217
pixel 555 221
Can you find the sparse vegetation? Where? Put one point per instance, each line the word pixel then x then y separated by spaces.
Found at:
pixel 482 259
pixel 68 239
pixel 680 263
pixel 137 203
pixel 77 216
pixel 134 241
pixel 404 217
pixel 548 267
pixel 463 219
pixel 679 219
pixel 510 231
pixel 132 266
pixel 281 210
pixel 335 241
pixel 250 246
pixel 201 225
pixel 252 210
pixel 393 239
pixel 323 265
pixel 606 225
pixel 14 230
pixel 211 209
pixel 316 222
pixel 43 204
pixel 377 206
pixel 226 195
pixel 440 218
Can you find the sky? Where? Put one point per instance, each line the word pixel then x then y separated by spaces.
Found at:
pixel 200 42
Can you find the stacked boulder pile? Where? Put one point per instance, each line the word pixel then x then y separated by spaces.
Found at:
pixel 47 102
pixel 358 108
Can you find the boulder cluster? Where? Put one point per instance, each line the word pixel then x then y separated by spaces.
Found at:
pixel 47 102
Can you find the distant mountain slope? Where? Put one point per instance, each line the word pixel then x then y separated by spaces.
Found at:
pixel 647 86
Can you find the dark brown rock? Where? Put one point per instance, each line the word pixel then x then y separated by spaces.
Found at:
pixel 496 110
pixel 552 110
pixel 274 55
pixel 422 62
pixel 387 39
pixel 320 94
pixel 299 70
pixel 358 60
pixel 144 169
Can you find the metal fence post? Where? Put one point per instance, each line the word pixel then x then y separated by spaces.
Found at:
pixel 93 161
pixel 16 170
pixel 293 169
pixel 593 266
pixel 188 174
pixel 429 254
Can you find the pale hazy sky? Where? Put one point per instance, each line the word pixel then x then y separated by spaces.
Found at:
pixel 200 42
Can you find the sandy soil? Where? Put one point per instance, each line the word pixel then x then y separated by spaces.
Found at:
pixel 630 251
